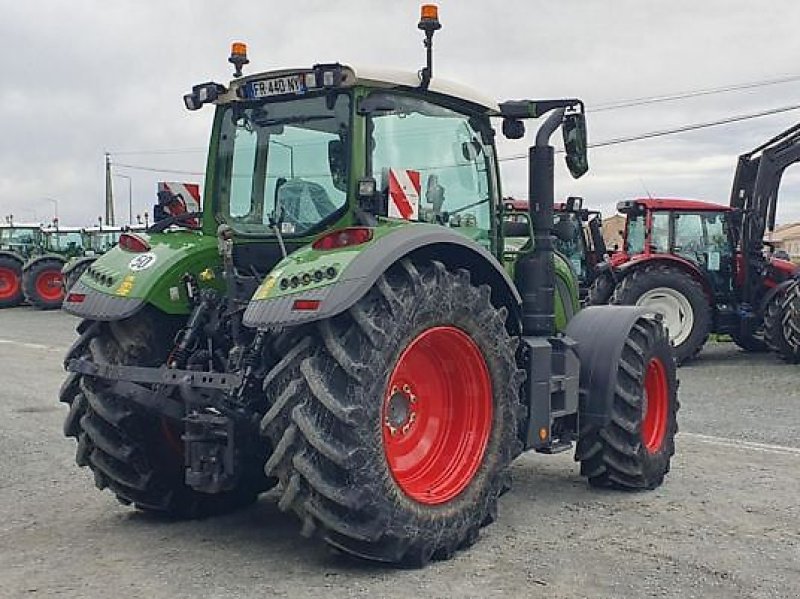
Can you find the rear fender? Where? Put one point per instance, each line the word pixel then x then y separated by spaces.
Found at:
pixel 42 258
pixel 77 262
pixel 359 267
pixel 14 256
pixel 121 282
pixel 601 332
pixel 642 260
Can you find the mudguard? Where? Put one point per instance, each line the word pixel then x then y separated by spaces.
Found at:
pixel 357 269
pixel 13 256
pixel 42 257
pixel 76 262
pixel 120 282
pixel 601 332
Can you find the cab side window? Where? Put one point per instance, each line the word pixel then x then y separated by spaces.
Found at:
pixel 433 158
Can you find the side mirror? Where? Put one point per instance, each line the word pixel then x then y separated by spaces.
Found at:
pixel 576 143
pixel 337 162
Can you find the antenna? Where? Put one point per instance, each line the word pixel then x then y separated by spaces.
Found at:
pixel 647 191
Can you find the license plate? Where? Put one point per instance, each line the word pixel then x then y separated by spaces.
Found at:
pixel 278 86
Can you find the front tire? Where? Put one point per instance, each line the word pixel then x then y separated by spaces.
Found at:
pixel 394 423
pixel 680 300
pixel 135 454
pixel 43 284
pixel 10 282
pixel 633 449
pixel 782 323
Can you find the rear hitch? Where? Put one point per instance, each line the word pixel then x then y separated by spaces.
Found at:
pixel 210 443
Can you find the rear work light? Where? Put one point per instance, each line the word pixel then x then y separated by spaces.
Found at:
pixel 131 242
pixel 343 238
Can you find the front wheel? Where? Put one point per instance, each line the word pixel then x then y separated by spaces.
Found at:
pixel 394 423
pixel 782 323
pixel 633 448
pixel 43 284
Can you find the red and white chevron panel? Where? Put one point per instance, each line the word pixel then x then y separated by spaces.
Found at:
pixel 404 193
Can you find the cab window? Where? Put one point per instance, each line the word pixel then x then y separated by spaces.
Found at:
pixel 429 150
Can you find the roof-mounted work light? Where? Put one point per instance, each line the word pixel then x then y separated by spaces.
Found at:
pixel 429 23
pixel 203 94
pixel 238 57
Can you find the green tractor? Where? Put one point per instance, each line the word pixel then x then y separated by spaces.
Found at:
pixel 18 243
pixel 42 282
pixel 341 325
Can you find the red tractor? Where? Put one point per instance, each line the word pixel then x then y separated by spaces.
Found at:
pixel 706 267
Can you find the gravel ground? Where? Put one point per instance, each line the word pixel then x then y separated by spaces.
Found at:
pixel 725 525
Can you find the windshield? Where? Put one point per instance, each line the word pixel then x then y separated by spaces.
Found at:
pixel 634 236
pixel 64 241
pixel 287 160
pixel 18 236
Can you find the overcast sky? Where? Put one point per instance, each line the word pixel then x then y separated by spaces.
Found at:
pixel 84 77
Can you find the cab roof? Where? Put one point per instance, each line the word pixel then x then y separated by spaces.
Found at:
pixel 671 204
pixel 389 79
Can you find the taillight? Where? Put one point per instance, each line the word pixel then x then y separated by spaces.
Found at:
pixel 305 304
pixel 131 242
pixel 343 238
pixel 76 298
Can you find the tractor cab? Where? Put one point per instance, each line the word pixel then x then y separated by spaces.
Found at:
pixel 65 241
pixel 22 239
pixel 696 233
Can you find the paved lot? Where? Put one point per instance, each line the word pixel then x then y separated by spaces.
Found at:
pixel 725 525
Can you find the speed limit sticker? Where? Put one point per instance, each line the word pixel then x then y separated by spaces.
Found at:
pixel 142 261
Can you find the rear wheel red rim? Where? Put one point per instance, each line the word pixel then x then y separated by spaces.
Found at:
pixel 9 283
pixel 656 409
pixel 49 286
pixel 437 415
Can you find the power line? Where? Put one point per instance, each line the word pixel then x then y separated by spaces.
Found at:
pixel 681 129
pixel 599 144
pixel 152 169
pixel 691 94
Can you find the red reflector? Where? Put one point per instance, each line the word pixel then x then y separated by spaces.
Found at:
pixel 76 298
pixel 343 238
pixel 133 243
pixel 305 304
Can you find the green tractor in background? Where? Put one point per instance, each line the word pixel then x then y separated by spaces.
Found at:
pixel 342 324
pixel 42 283
pixel 18 243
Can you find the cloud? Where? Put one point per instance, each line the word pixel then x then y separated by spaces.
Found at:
pixel 86 77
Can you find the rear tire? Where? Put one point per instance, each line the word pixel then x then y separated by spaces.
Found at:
pixel 782 323
pixel 633 450
pixel 43 284
pixel 340 412
pixel 676 292
pixel 10 282
pixel 600 290
pixel 135 454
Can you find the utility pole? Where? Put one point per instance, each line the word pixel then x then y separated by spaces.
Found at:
pixel 109 193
